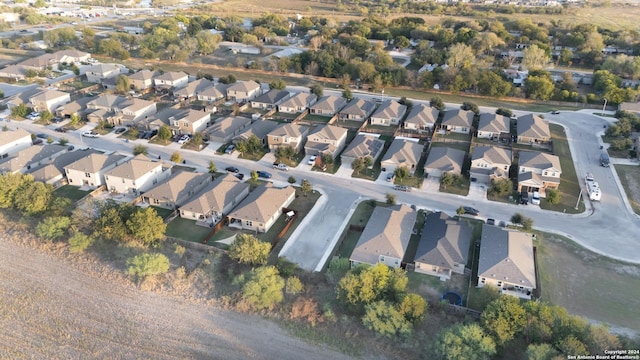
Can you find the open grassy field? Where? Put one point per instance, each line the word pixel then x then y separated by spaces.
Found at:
pixel 630 179
pixel 588 284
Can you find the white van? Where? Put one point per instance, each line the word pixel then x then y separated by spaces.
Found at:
pixel 535 198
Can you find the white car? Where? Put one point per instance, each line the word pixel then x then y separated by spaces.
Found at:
pixel 90 134
pixel 312 160
pixel 183 139
pixel 535 198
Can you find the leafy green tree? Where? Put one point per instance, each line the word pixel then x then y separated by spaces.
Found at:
pixel 534 58
pixel 254 175
pixel 20 110
pixel 285 152
pixel 140 149
pixel 52 228
pixel 327 159
pixel 197 139
pixel 469 106
pixel 501 186
pixel 413 307
pixel 572 345
pixel 146 225
pixel 391 198
pixel 278 84
pixel 9 185
pixel 460 210
pixel 401 172
pixel 553 196
pixel 504 319
pixel 357 165
pixel 263 288
pixel 538 87
pixel 144 265
pixel 540 352
pixel 436 102
pixel 33 197
pixel 291 180
pixel 316 90
pixel 485 296
pixel 461 56
pixel 383 318
pixel 79 242
pixel 46 116
pixel 346 93
pixel 248 249
pixel 401 42
pixel 446 179
pixel 504 112
pixel 212 167
pixel 462 342
pixel 109 223
pixel 366 284
pixel 306 187
pixel 123 84
pixel 176 157
pixel 293 286
pixel 164 132
pixel 527 223
pixel 75 119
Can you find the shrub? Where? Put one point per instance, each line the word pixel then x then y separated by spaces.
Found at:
pixel 79 242
pixel 52 228
pixel 144 265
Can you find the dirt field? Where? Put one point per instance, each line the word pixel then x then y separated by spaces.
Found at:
pixel 52 307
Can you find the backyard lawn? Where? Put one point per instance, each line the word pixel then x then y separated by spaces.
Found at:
pixel 360 217
pixel 630 179
pixel 186 230
pixel 72 192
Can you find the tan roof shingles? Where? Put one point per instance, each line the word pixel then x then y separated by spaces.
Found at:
pixel 389 109
pixel 403 152
pixel 445 159
pixel 134 168
pixel 7 137
pixel 93 163
pixel 494 123
pixel 30 155
pixel 422 115
pixel 262 203
pixel 217 195
pixel 331 103
pixel 364 145
pixel 533 126
pixel 538 160
pixel 491 154
pixel 177 186
pixel 506 255
pixel 458 117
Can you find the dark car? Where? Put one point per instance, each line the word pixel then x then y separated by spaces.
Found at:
pixel 491 221
pixel 61 129
pixel 42 136
pixel 120 130
pixel 232 169
pixel 36 141
pixel 239 176
pixel 470 211
pixel 555 112
pixel 524 198
pixel 402 188
pixel 263 174
pixel 56 120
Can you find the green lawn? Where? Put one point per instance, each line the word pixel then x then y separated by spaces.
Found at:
pixel 630 179
pixel 186 230
pixel 254 156
pixel 72 192
pixel 162 212
pixel 459 187
pixel 350 238
pixel 317 118
pixel 569 183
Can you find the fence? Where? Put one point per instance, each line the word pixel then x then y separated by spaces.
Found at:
pixel 215 229
pixel 463 310
pixel 289 223
pixel 301 116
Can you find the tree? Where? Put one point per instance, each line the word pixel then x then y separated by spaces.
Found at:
pixel 347 94
pixel 462 342
pixel 46 116
pixel 316 90
pixel 366 284
pixel 285 152
pixel 291 180
pixel 123 84
pixel 146 225
pixel 20 110
pixel 538 87
pixel 79 242
pixel 367 161
pixel 32 197
pixel 212 167
pixel 164 133
pixel 436 102
pixel 176 157
pixel 357 165
pixel 52 228
pixel 383 318
pixel 446 179
pixel 391 198
pixel 504 319
pixel 517 218
pixel 263 288
pixel 293 286
pixel 412 307
pixel 401 172
pixel 401 42
pixel 504 112
pixel 469 106
pixel 144 265
pixel 540 352
pixel 501 186
pixel 461 56
pixel 553 196
pixel 460 210
pixel 254 175
pixel 248 249
pixel 306 187
pixel 197 139
pixel 140 149
pixel 492 84
pixel 534 58
pixel 278 84
pixel 527 223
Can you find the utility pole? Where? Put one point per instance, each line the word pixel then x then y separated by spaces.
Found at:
pixel 604 106
pixel 579 196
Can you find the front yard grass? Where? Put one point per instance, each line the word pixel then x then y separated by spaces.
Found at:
pixel 630 179
pixel 254 156
pixel 569 184
pixel 187 230
pixel 72 192
pixel 459 187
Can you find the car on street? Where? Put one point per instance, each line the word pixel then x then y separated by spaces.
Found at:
pixel 555 112
pixel 62 130
pixel 263 174
pixel 312 160
pixel 281 166
pixel 229 149
pixel 468 210
pixel 491 221
pixel 56 120
pixel 232 169
pixel 42 136
pixel 120 130
pixel 183 139
pixel 404 188
pixel 239 176
pixel 24 30
pixel 90 134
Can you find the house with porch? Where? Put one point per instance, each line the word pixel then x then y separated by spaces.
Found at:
pixel 288 134
pixel 259 129
pixel 506 261
pixel 49 100
pixel 142 79
pixel 225 129
pixel 261 208
pixel 489 162
pixel 444 246
pixel 357 110
pixel 421 118
pixel 171 80
pixel 328 105
pixel 136 175
pixel 390 112
pixel 538 171
pixel 386 236
pixel 443 159
pixel 215 200
pixel 457 120
pixel 326 139
pixel 494 126
pixel 176 190
pixel 402 153
pixel 297 103
pixel 269 100
pixel 243 91
pixel 90 170
pixel 532 129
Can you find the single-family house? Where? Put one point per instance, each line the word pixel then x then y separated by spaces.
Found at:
pixel 71 56
pixel 171 80
pixel 292 135
pixel 14 72
pixel 261 208
pixel 443 159
pixel 269 100
pixel 97 73
pixel 421 118
pixel 49 100
pixel 134 109
pixel 297 103
pixel 77 107
pixel 385 237
pixel 13 141
pixel 216 200
pixel 494 126
pixel 532 129
pixel 213 93
pixel 259 129
pixel 22 97
pixel 489 162
pixel 457 120
pixel 142 79
pixel 136 175
pixel 326 139
pixel 390 112
pixel 107 102
pixel 242 91
pixel 90 170
pixel 402 153
pixel 189 121
pixel 31 157
pixel 538 171
pixel 444 246
pixel 361 146
pixel 357 110
pixel 39 62
pixel 224 129
pixel 176 190
pixel 192 89
pixel 506 261
pixel 328 105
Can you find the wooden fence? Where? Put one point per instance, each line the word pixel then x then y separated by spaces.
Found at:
pixel 215 229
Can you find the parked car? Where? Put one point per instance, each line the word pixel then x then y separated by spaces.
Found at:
pixel 232 169
pixel 281 166
pixel 56 119
pixel 90 134
pixel 120 130
pixel 61 129
pixel 404 188
pixel 263 174
pixel 183 139
pixel 42 136
pixel 524 197
pixel 312 160
pixel 239 176
pixel 468 210
pixel 535 198
pixel 390 177
pixel 555 112
pixel 491 221
pixel 36 141
pixel 230 149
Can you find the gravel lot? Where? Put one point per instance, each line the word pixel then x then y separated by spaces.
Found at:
pixel 54 308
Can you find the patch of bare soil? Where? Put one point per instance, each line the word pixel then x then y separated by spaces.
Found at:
pixel 57 307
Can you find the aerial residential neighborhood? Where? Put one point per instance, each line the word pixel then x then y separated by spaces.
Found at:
pixel 389 180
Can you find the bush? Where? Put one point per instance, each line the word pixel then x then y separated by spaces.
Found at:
pixel 294 286
pixel 145 265
pixel 553 196
pixel 79 242
pixel 263 288
pixel 248 249
pixel 307 309
pixel 52 228
pixel 504 112
pixel 291 180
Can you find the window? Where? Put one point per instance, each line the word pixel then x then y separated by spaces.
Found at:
pixel 546 173
pixel 483 280
pixel 382 258
pixel 87 174
pixel 275 138
pixel 248 223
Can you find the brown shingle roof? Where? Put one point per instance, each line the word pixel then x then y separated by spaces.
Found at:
pixel 262 203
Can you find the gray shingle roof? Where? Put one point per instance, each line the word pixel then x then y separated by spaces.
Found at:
pixel 178 186
pixel 422 115
pixel 330 103
pixel 364 145
pixel 389 109
pixel 538 160
pixel 93 163
pixel 458 117
pixel 533 126
pixel 262 203
pixel 445 159
pixel 492 154
pixel 494 123
pixel 403 152
pixel 507 255
pixel 444 241
pixel 216 196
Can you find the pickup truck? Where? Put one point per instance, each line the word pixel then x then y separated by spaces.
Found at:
pixel 281 166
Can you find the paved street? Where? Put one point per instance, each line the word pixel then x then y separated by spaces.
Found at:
pixel 608 227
